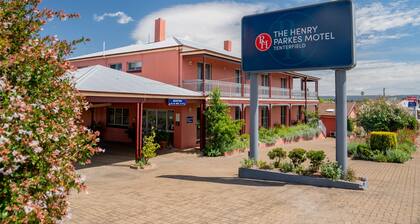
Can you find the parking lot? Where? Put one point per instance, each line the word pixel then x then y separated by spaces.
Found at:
pixel 187 188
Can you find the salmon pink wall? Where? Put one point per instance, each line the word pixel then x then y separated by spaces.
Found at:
pixel 275 116
pixel 152 64
pixel 184 133
pixel 221 70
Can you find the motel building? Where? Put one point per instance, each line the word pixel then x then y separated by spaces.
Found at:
pixel 166 84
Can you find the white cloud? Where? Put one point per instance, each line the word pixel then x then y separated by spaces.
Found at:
pixel 372 76
pixel 210 23
pixel 375 21
pixel 122 18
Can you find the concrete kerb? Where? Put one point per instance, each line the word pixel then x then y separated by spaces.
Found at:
pixel 269 175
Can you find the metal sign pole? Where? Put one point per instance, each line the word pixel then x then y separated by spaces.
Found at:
pixel 341 119
pixel 254 117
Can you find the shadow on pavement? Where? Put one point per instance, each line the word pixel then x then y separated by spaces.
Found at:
pixel 114 153
pixel 224 180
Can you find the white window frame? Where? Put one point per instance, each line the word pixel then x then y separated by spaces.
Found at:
pixel 123 111
pixel 138 68
pixel 119 64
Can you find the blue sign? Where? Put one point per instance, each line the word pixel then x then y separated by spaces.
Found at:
pixel 312 37
pixel 190 120
pixel 177 102
pixel 412 104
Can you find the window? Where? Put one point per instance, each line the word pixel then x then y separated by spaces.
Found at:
pixel 238 80
pixel 208 71
pixel 200 71
pixel 264 80
pixel 237 113
pixel 299 115
pixel 161 120
pixel 283 83
pixel 264 117
pixel 283 112
pixel 135 66
pixel 238 76
pixel 117 66
pixel 117 117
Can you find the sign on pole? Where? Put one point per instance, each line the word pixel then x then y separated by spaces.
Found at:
pixel 312 37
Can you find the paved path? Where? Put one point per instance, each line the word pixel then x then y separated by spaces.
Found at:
pixel 185 188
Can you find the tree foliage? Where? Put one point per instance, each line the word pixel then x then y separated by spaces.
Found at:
pixel 380 115
pixel 221 129
pixel 41 136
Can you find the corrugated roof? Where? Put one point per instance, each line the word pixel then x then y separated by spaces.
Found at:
pixel 99 78
pixel 169 42
pixel 328 109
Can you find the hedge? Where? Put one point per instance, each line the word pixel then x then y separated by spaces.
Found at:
pixel 383 141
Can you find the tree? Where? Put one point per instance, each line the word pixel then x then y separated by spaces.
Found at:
pixel 380 115
pixel 221 129
pixel 41 136
pixel 149 147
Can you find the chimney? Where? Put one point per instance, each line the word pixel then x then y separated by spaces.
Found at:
pixel 228 45
pixel 160 26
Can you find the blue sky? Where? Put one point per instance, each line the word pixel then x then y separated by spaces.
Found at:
pixel 388 33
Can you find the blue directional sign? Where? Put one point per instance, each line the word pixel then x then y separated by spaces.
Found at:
pixel 312 37
pixel 177 102
pixel 412 104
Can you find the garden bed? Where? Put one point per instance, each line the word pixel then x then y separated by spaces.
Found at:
pixel 279 142
pixel 269 175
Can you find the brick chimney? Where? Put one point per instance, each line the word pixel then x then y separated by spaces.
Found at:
pixel 160 27
pixel 228 45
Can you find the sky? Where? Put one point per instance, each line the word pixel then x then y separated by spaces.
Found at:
pixel 387 33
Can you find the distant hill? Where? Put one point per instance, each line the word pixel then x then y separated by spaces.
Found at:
pixel 371 97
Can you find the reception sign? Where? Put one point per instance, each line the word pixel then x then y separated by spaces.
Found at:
pixel 313 37
pixel 177 102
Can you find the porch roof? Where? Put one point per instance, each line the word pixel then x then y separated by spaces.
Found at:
pixel 101 79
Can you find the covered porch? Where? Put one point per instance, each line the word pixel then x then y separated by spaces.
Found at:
pixel 125 107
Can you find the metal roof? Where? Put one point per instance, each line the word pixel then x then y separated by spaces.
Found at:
pixel 169 42
pixel 99 78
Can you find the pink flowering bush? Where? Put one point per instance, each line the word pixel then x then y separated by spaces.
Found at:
pixel 41 131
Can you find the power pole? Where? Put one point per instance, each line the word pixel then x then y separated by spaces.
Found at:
pixel 383 92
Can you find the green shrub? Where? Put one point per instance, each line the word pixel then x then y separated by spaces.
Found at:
pixel 407 147
pixel 247 163
pixel 149 147
pixel 350 175
pixel 298 156
pixel 363 152
pixel 331 170
pixel 379 157
pixel 264 165
pixel 383 141
pixel 221 130
pixel 316 158
pixel 380 115
pixel 299 170
pixel 241 142
pixel 397 156
pixel 277 154
pixel 406 135
pixel 352 148
pixel 350 125
pixel 286 167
